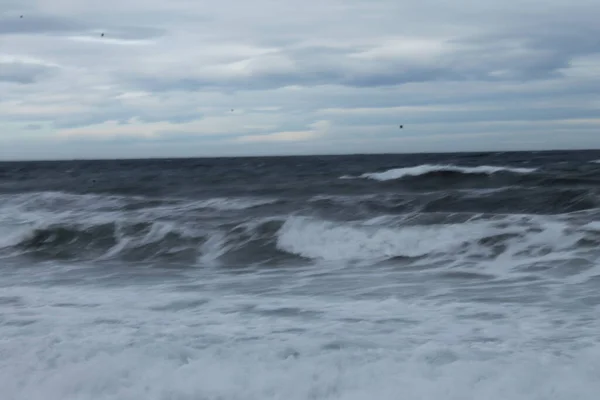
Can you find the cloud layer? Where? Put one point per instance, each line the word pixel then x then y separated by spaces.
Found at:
pixel 187 78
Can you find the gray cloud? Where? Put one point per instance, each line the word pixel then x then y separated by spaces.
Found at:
pixel 459 76
pixel 23 73
pixel 37 24
pixel 41 24
pixel 495 57
pixel 468 116
pixel 123 115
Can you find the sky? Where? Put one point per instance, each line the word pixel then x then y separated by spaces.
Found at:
pixel 186 78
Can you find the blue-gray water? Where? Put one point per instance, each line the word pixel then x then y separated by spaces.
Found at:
pixel 455 276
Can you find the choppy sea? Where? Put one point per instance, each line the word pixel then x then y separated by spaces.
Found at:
pixel 425 277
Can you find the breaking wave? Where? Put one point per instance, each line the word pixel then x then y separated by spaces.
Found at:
pixel 263 240
pixel 370 240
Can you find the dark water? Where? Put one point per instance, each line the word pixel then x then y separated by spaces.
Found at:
pixel 167 209
pixel 343 277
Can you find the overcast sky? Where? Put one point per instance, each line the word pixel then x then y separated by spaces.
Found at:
pixel 302 77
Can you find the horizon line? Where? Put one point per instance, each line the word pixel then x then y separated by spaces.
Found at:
pixel 293 155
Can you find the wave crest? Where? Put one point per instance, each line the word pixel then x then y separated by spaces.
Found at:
pixel 426 169
pixel 510 236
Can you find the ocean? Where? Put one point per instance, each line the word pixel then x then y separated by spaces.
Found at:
pixel 423 276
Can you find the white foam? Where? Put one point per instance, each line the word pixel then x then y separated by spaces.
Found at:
pixel 226 204
pixel 213 249
pixel 190 375
pixel 337 241
pixel 12 234
pixel 121 343
pixel 398 173
pixel 593 226
pixel 528 237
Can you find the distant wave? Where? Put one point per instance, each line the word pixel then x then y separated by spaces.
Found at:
pixel 98 202
pixel 503 199
pixel 399 173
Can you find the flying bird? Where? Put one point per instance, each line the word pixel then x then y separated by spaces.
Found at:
pixel 401 126
pixel 102 35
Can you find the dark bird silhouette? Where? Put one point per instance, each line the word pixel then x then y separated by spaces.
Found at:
pixel 21 16
pixel 102 35
pixel 401 126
